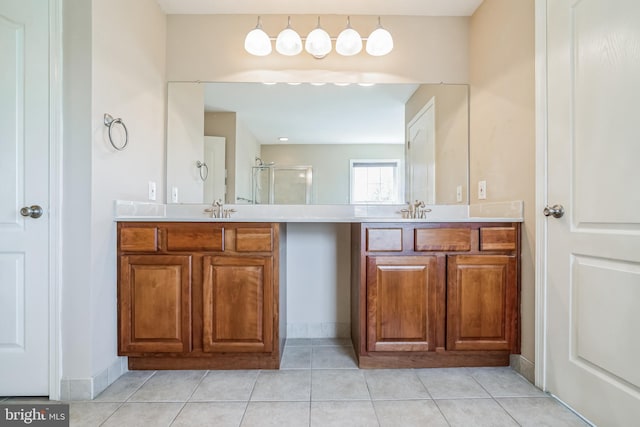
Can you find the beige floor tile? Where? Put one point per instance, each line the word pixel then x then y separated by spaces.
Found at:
pixel 289 385
pixel 83 414
pixel 207 414
pixel 124 387
pixel 409 413
pixel 505 382
pixel 540 412
pixel 343 414
pixel 296 358
pixel 226 385
pixel 475 412
pixel 168 386
pixel 395 384
pixel 341 342
pixel 296 342
pixel 341 384
pixel 451 383
pixel 276 414
pixel 333 357
pixel 144 415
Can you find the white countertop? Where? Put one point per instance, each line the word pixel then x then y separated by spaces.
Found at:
pixel 128 211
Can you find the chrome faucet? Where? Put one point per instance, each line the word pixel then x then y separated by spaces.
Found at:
pixel 415 210
pixel 216 209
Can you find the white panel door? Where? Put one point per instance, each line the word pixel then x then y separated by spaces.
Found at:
pixel 24 178
pixel 593 252
pixel 421 155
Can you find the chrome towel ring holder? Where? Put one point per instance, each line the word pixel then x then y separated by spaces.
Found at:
pixel 203 169
pixel 109 122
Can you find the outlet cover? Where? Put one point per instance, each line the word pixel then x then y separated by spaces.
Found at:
pixel 482 190
pixel 459 193
pixel 174 194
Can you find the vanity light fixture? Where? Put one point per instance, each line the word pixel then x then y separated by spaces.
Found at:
pixel 349 42
pixel 288 42
pixel 258 42
pixel 379 42
pixel 318 41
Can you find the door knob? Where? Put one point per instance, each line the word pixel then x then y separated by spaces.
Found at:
pixel 34 211
pixel 556 211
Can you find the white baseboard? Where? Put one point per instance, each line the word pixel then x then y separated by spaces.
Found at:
pixel 318 330
pixel 523 366
pixel 88 388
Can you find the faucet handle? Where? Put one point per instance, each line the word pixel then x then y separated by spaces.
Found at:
pixel 227 212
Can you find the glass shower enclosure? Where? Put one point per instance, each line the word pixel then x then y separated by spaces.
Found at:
pixel 289 185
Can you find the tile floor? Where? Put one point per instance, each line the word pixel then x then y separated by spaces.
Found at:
pixel 319 385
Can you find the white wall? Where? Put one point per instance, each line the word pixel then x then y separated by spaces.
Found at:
pixel 185 141
pixel 76 206
pixel 247 148
pixel 330 162
pixel 116 69
pixel 318 280
pixel 502 73
pixel 211 48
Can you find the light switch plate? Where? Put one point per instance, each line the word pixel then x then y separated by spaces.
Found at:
pixel 152 190
pixel 482 190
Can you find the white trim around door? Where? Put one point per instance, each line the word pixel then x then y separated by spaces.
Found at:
pixel 55 195
pixel 541 190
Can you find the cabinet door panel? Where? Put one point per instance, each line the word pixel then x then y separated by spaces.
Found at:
pixel 155 304
pixel 481 296
pixel 237 304
pixel 401 303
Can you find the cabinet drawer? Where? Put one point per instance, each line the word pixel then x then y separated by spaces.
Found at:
pixel 384 239
pixel 254 240
pixel 498 238
pixel 195 237
pixel 442 239
pixel 138 239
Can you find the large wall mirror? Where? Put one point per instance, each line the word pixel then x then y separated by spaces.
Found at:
pixel 319 144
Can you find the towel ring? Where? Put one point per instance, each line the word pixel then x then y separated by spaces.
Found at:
pixel 109 121
pixel 202 166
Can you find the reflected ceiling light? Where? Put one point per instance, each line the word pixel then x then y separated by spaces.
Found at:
pixel 349 42
pixel 283 139
pixel 318 83
pixel 257 41
pixel 318 42
pixel 379 42
pixel 289 42
pixel 366 84
pixel 342 83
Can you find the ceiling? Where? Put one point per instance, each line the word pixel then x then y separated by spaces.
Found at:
pixel 308 114
pixel 323 7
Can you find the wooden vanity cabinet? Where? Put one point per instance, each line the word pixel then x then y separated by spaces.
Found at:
pixel 401 302
pixel 435 294
pixel 200 295
pixel 155 303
